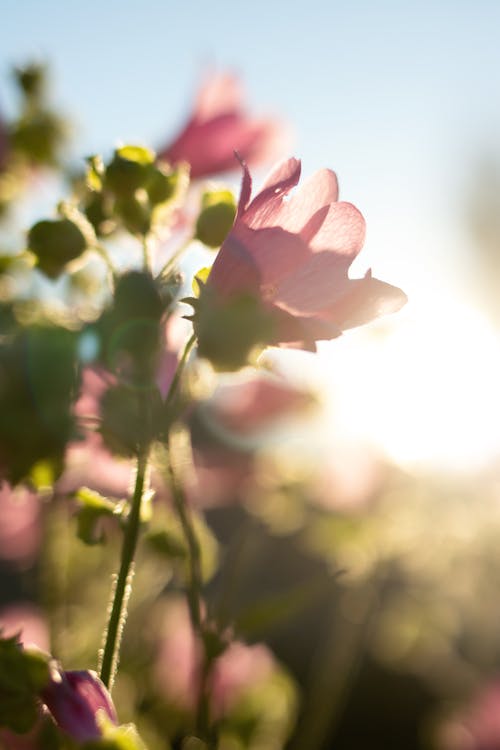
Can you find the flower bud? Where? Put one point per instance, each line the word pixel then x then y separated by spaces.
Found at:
pixel 216 217
pixel 75 700
pixel 56 243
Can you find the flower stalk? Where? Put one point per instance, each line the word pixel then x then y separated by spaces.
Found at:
pixel 121 594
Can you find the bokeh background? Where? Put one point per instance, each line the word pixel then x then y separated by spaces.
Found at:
pixel 402 100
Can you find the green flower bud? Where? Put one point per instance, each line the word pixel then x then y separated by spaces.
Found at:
pixel 160 185
pixel 135 213
pixel 31 79
pixel 55 243
pixel 129 170
pixel 216 217
pixel 38 137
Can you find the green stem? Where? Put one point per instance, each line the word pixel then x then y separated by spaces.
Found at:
pixel 121 594
pixel 174 385
pixel 195 582
pixel 146 254
pixel 194 598
pixel 112 273
pixel 194 551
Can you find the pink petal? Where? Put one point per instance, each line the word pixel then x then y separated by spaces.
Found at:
pixel 219 94
pixel 74 698
pixel 247 407
pixel 274 253
pixel 364 300
pixel 246 187
pixel 265 208
pixel 320 189
pixel 302 332
pixel 234 269
pixel 313 284
pixel 343 231
pixel 209 147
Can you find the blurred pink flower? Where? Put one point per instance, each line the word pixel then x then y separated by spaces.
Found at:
pixel 294 257
pixel 20 529
pixel 74 700
pixel 218 126
pixel 238 422
pixel 88 461
pixel 255 404
pixel 477 727
pixel 235 671
pixel 26 621
pixel 178 666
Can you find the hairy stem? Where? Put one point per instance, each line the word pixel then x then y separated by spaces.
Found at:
pixel 118 612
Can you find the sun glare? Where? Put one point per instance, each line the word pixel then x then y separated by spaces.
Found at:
pixel 422 386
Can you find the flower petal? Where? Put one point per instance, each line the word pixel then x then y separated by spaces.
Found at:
pixel 220 93
pixel 265 208
pixel 234 270
pixel 246 186
pixel 301 332
pixel 319 190
pixel 364 300
pixel 274 253
pixel 74 699
pixel 342 231
pixel 318 280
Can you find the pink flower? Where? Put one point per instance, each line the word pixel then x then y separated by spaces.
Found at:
pixel 218 126
pixel 20 524
pixel 249 407
pixel 89 457
pixel 239 668
pixel 178 667
pixel 293 257
pixel 477 726
pixel 74 700
pixel 27 622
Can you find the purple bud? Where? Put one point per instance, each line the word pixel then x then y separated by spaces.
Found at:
pixel 74 698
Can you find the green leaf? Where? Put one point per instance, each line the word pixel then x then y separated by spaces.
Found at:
pixel 23 674
pixel 167 543
pixel 94 507
pixel 38 384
